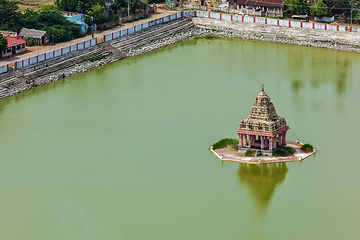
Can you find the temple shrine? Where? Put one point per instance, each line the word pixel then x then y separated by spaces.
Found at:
pixel 263 129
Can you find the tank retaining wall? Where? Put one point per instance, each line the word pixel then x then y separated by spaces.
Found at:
pixel 191 13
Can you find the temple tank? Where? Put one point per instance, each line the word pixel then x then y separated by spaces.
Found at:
pixel 121 152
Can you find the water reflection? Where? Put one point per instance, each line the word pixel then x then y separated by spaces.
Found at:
pixel 317 67
pixel 262 181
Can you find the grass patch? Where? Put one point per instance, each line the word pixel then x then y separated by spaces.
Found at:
pixel 250 153
pixel 307 147
pixel 282 151
pixel 216 37
pixel 226 142
pixel 218 11
pixel 98 57
pixel 207 37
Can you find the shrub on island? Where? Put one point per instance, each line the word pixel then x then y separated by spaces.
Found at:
pixel 307 147
pixel 282 151
pixel 226 142
pixel 250 153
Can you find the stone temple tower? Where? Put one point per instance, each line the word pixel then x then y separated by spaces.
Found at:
pixel 263 128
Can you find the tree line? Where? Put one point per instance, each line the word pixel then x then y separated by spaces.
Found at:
pixel 321 8
pixel 50 19
pixel 53 22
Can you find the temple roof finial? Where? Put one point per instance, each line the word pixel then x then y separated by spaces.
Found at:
pixel 262 88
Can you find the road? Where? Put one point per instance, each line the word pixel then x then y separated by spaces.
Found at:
pixel 33 51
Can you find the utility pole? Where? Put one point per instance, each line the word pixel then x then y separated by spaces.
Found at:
pixel 128 7
pixel 351 14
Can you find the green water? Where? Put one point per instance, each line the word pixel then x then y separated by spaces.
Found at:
pixel 121 152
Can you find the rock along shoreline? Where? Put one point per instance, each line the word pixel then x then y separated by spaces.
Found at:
pixel 207 27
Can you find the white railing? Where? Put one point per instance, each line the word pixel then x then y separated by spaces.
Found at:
pixel 55 53
pixel 191 13
pixel 4 68
pixel 268 21
pixel 142 26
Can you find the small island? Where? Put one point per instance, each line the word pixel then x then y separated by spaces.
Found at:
pixel 262 138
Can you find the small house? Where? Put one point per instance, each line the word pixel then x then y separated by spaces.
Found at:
pixel 41 36
pixel 269 8
pixel 78 18
pixel 14 45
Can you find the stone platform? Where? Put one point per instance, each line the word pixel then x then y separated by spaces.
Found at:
pixel 230 155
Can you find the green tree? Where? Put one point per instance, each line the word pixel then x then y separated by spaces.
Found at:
pixel 120 4
pixel 88 20
pixel 3 43
pixel 52 22
pixel 30 41
pixel 318 8
pixel 47 7
pixel 10 19
pixel 76 5
pixel 134 5
pixel 98 13
pixel 297 7
pixel 66 5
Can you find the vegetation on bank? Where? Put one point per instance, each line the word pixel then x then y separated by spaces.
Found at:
pixel 226 142
pixel 53 22
pixel 250 153
pixel 207 37
pixel 211 36
pixel 321 8
pixel 283 151
pixel 3 43
pixel 30 41
pixel 307 147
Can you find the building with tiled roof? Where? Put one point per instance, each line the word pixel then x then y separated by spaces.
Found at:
pixel 14 45
pixel 264 8
pixel 41 36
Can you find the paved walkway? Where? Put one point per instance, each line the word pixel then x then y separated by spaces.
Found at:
pixel 43 49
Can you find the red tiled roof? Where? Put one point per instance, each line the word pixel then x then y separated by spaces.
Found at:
pixel 261 3
pixel 12 40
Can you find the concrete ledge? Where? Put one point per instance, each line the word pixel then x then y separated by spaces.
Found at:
pixel 229 155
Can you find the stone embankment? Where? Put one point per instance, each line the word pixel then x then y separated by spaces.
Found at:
pixel 78 68
pixel 163 35
pixel 165 41
pixel 344 41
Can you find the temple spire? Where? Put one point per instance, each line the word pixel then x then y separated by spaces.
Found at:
pixel 265 129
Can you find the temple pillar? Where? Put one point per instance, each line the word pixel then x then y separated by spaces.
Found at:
pixel 240 140
pixel 274 142
pixel 262 142
pixel 266 144
pixel 284 138
pixel 244 140
pixel 250 140
pixel 271 143
pixel 280 142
